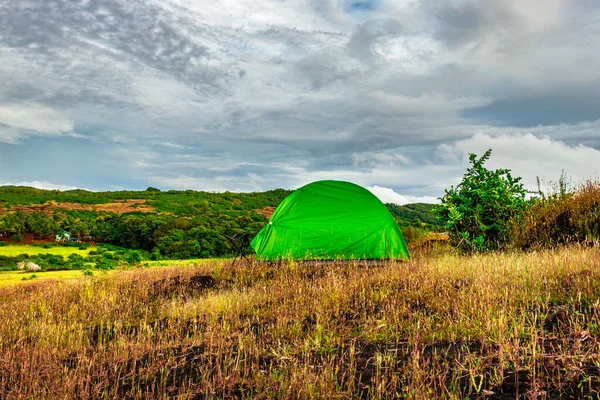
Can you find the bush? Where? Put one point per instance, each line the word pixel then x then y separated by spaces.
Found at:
pixel 134 258
pixel 412 234
pixel 105 265
pixel 561 218
pixel 8 263
pixel 75 257
pixel 480 210
pixel 75 265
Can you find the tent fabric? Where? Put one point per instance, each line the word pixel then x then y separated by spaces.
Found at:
pixel 330 220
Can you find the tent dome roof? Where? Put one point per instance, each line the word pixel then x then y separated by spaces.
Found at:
pixel 330 220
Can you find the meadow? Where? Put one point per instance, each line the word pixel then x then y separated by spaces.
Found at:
pixel 494 326
pixel 11 277
pixel 65 251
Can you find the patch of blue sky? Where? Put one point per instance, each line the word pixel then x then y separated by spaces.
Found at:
pixel 361 5
pixel 362 10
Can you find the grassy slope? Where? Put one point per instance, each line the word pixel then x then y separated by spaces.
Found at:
pixel 14 250
pixel 445 327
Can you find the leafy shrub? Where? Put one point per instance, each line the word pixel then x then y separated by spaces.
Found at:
pixel 8 263
pixel 134 258
pixel 77 265
pixel 105 265
pixel 480 209
pixel 75 257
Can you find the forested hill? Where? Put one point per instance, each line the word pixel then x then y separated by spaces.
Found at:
pixel 174 223
pixel 415 214
pixel 177 202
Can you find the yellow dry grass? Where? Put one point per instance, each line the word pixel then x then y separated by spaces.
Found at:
pixel 12 250
pixel 435 327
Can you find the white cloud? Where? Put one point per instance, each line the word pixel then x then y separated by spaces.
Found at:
pixel 255 179
pixel 426 104
pixel 8 134
pixel 30 118
pixel 529 156
pixel 387 195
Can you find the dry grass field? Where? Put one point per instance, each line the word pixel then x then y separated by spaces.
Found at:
pixel 499 326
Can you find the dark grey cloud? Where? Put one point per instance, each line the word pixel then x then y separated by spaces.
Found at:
pixel 135 27
pixel 247 94
pixel 567 106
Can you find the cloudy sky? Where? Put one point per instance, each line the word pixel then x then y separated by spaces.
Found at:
pixel 248 95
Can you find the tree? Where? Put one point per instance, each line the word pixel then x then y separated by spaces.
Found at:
pixel 14 224
pixel 79 228
pixel 41 225
pixel 478 211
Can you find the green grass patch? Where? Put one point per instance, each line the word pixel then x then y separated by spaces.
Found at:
pixel 11 278
pixel 16 249
pixel 16 277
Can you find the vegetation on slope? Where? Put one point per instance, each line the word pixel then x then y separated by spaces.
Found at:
pixel 419 215
pixel 172 224
pixel 564 217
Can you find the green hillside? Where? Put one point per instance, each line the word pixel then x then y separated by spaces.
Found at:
pixel 169 224
pixel 417 214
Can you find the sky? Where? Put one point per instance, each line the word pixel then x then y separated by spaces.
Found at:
pixel 252 95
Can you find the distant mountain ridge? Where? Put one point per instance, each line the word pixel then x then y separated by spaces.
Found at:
pixel 178 202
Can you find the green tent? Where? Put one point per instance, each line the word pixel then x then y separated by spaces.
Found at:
pixel 330 220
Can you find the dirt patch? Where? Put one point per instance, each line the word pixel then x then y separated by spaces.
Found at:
pixel 117 206
pixel 266 211
pixel 186 286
